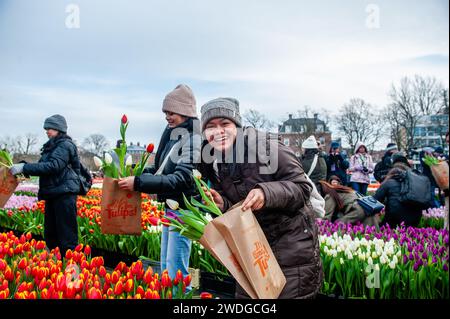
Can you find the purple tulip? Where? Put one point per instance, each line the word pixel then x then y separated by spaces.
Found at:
pixel 172 215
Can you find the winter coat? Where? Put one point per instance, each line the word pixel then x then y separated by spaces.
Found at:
pixel 357 164
pixel 383 167
pixel 176 178
pixel 337 165
pixel 396 211
pixel 320 171
pixel 286 218
pixel 351 213
pixel 56 168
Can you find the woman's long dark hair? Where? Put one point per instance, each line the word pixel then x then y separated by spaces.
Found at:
pixel 333 191
pixel 397 170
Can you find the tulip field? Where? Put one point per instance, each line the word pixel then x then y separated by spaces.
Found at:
pixel 358 261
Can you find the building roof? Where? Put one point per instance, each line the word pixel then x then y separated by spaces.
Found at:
pixel 297 123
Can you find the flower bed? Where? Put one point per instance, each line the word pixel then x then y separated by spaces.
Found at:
pixel 29 271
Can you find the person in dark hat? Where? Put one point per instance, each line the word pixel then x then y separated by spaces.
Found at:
pixel 337 163
pixel 277 194
pixel 382 168
pixel 59 184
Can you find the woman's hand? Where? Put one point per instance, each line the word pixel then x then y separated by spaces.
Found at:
pixel 255 200
pixel 215 197
pixel 127 183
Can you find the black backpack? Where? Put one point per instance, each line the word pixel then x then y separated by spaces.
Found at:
pixel 85 180
pixel 415 189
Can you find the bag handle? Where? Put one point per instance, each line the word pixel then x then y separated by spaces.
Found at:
pixel 166 159
pixel 313 165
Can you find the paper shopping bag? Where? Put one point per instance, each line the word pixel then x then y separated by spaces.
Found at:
pixel 440 174
pixel 214 242
pixel 8 184
pixel 247 241
pixel 120 210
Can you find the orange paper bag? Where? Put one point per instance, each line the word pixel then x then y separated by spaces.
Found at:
pixel 440 174
pixel 120 210
pixel 247 241
pixel 8 184
pixel 214 242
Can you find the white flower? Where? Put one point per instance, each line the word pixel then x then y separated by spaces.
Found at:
pixel 108 158
pixel 374 255
pixel 395 259
pixel 362 257
pixel 392 265
pixel 383 259
pixel 173 204
pixel 370 261
pixel 377 267
pixel 196 174
pixel 98 162
pixel 129 161
pixel 341 261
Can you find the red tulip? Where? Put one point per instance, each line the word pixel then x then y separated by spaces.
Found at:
pixel 2 265
pixel 187 280
pixel 118 288
pixel 129 285
pixel 148 294
pixel 115 276
pixel 206 295
pixel 153 220
pixel 87 250
pixel 69 254
pixel 140 290
pixel 22 264
pixel 148 276
pixel 156 295
pixel 150 148
pixel 61 282
pixel 124 119
pixel 102 271
pixel 22 287
pixel 8 274
pixel 45 294
pixel 32 295
pixel 94 293
pixel 4 294
pixel 165 280
pixel 70 290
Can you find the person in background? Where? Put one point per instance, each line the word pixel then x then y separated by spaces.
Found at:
pixel 59 184
pixel 312 156
pixel 383 167
pixel 361 166
pixel 388 193
pixel 175 179
pixel 334 180
pixel 337 164
pixel 341 204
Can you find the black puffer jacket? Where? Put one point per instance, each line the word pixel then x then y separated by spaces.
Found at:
pixel 396 211
pixel 176 177
pixel 56 168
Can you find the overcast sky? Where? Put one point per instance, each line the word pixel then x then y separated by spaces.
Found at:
pixel 273 56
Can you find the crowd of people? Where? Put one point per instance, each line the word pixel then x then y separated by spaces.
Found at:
pixel 279 197
pixel 342 181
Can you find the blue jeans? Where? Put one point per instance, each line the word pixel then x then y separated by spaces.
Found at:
pixel 360 187
pixel 175 252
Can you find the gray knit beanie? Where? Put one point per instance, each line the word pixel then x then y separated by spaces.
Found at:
pixel 225 107
pixel 181 101
pixel 56 122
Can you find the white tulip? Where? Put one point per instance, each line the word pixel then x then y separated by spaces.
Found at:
pixel 196 174
pixel 129 161
pixel 395 259
pixel 383 259
pixel 98 162
pixel 392 265
pixel 173 204
pixel 370 261
pixel 377 267
pixel 108 158
pixel 341 261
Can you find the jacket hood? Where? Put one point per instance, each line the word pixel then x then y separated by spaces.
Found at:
pixel 358 145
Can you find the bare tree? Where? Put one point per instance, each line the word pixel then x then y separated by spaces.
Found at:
pixel 392 116
pixel 96 143
pixel 358 122
pixel 26 146
pixel 257 120
pixel 413 98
